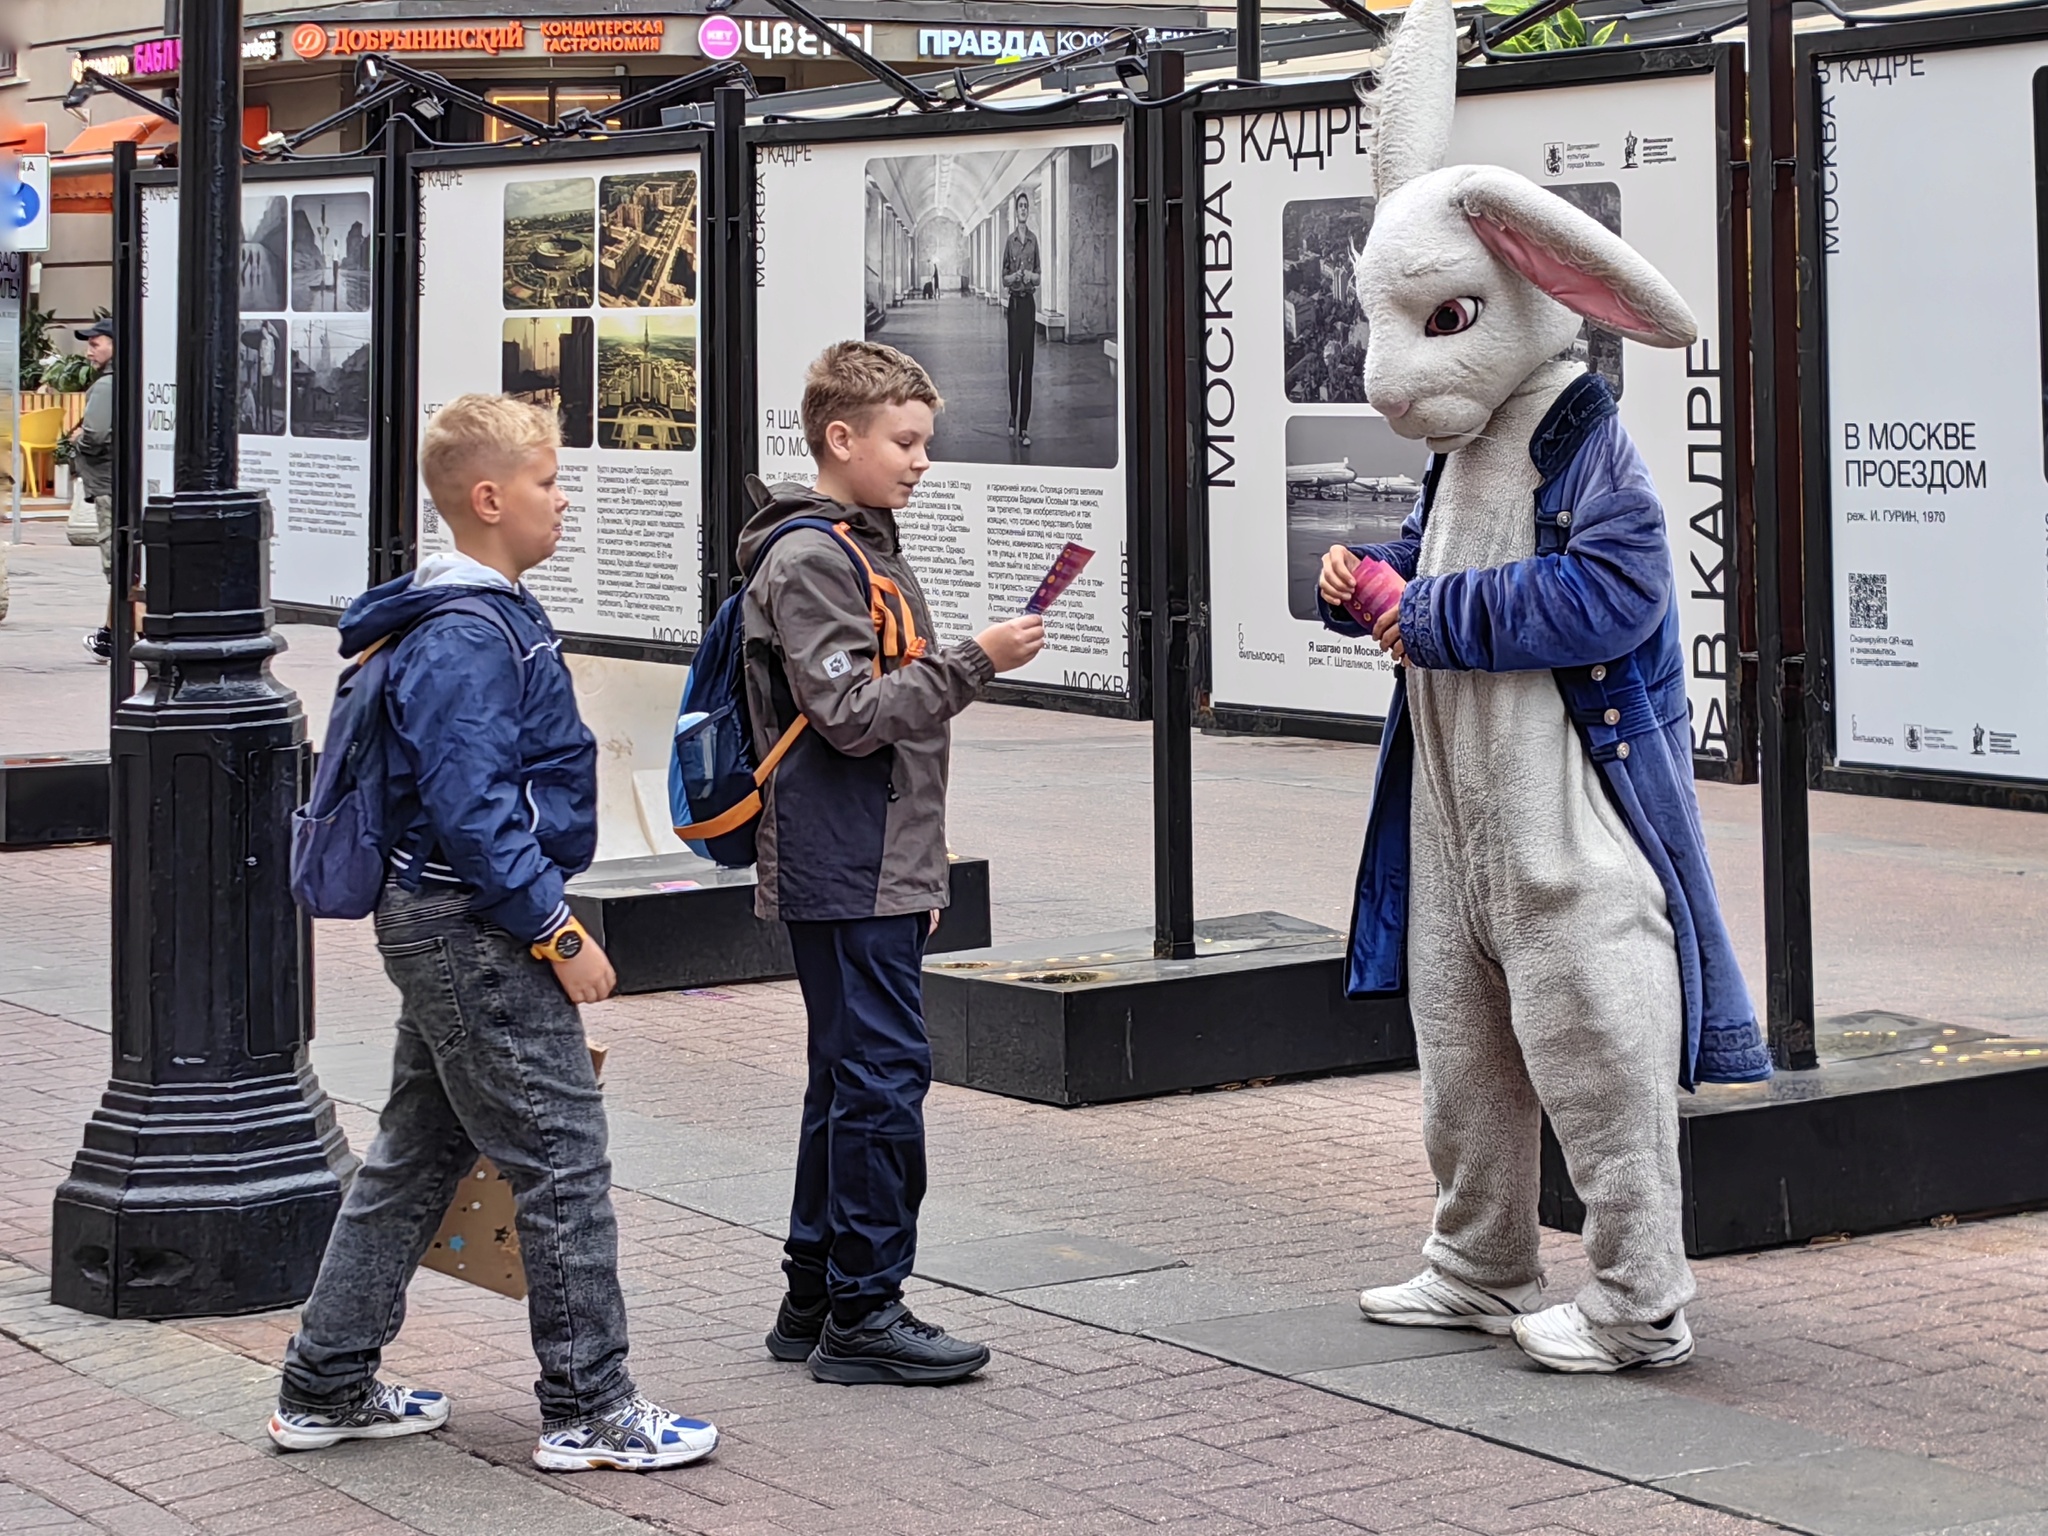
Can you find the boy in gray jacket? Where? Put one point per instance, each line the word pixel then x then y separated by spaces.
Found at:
pixel 852 851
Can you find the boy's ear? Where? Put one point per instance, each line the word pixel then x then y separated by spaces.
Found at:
pixel 839 437
pixel 483 502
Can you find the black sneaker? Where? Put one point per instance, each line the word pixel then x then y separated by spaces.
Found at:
pixel 101 644
pixel 797 1327
pixel 891 1346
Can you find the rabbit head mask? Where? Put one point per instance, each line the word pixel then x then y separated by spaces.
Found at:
pixel 1474 277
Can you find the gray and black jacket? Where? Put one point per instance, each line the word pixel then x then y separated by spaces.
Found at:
pixel 853 821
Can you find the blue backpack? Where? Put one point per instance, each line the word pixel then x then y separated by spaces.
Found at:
pixel 714 784
pixel 340 844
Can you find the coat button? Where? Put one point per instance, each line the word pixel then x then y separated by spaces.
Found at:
pixel 1600 672
pixel 1612 717
pixel 1564 518
pixel 1622 750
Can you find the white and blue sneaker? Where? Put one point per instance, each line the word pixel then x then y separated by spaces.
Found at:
pixel 1434 1299
pixel 636 1436
pixel 386 1413
pixel 1562 1338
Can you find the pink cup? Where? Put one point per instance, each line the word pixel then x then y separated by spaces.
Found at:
pixel 1378 590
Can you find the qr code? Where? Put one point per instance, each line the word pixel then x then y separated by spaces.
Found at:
pixel 1869 604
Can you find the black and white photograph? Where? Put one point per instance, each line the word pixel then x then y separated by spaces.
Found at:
pixel 260 382
pixel 1600 350
pixel 1326 329
pixel 647 241
pixel 1350 480
pixel 999 271
pixel 331 252
pixel 331 376
pixel 550 243
pixel 551 360
pixel 264 276
pixel 647 382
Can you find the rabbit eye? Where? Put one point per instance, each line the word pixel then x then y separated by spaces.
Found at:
pixel 1453 316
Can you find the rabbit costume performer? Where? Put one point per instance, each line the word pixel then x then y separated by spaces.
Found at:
pixel 1535 876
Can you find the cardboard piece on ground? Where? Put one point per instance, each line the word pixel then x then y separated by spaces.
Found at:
pixel 479 1237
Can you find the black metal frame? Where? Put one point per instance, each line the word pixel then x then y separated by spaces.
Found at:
pixel 934 126
pixel 1970 29
pixel 382 215
pixel 1723 61
pixel 712 277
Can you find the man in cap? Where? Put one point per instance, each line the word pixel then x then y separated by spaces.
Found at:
pixel 92 455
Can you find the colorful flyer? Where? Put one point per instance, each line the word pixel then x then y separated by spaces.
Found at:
pixel 1070 562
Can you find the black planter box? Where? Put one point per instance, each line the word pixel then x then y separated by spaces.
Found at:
pixel 53 797
pixel 675 921
pixel 1905 1121
pixel 1094 1019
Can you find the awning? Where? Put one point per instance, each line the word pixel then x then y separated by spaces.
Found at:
pixel 82 174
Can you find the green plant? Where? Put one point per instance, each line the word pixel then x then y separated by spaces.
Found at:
pixel 70 374
pixel 1556 34
pixel 36 351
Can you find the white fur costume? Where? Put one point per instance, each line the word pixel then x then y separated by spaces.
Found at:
pixel 1540 954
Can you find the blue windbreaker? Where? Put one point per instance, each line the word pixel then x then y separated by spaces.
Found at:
pixel 1595 605
pixel 494 784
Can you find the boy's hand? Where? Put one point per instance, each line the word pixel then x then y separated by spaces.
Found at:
pixel 587 976
pixel 1337 582
pixel 1388 632
pixel 1013 642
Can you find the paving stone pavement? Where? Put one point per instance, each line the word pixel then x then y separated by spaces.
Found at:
pixel 1891 1384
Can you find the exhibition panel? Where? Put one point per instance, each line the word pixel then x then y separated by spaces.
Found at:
pixel 1295 458
pixel 309 374
pixel 1924 426
pixel 998 254
pixel 570 275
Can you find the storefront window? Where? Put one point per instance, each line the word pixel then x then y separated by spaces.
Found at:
pixel 546 102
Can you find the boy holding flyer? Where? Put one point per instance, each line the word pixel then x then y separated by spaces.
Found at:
pixel 852 851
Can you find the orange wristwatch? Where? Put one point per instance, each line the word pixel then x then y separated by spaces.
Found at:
pixel 565 943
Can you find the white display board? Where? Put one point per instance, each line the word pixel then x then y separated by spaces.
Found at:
pixel 1934 446
pixel 305 381
pixel 573 283
pixel 933 271
pixel 1296 460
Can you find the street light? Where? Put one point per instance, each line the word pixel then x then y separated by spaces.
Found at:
pixel 213 1167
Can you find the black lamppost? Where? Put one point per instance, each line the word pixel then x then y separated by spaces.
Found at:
pixel 213 1167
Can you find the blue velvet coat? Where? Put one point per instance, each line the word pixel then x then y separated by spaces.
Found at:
pixel 1595 604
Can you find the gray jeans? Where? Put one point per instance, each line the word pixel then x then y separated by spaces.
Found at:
pixel 491 1058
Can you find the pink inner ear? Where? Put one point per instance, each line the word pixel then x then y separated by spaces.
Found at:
pixel 1580 292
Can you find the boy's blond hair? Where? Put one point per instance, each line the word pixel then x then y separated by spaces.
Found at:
pixel 480 437
pixel 851 380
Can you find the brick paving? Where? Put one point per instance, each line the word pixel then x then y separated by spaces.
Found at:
pixel 1930 1342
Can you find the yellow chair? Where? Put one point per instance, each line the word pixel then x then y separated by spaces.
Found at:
pixel 39 431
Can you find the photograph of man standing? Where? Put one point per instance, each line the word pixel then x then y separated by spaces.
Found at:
pixel 1020 282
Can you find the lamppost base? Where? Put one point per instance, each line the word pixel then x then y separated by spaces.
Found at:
pixel 199 1199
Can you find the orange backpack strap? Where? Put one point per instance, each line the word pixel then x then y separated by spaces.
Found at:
pixel 733 817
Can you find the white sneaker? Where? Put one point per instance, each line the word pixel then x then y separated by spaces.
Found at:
pixel 387 1412
pixel 636 1436
pixel 1435 1300
pixel 1560 1337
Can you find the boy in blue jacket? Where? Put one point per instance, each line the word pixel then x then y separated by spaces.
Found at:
pixel 492 793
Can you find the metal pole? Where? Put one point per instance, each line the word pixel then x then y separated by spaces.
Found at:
pixel 128 408
pixel 727 295
pixel 397 306
pixel 1248 49
pixel 1780 546
pixel 1168 447
pixel 213 1168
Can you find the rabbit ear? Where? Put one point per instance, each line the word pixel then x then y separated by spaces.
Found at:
pixel 1574 258
pixel 1418 89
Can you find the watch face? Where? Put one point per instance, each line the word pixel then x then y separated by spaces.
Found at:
pixel 569 944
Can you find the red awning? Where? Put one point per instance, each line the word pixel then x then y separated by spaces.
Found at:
pixel 82 173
